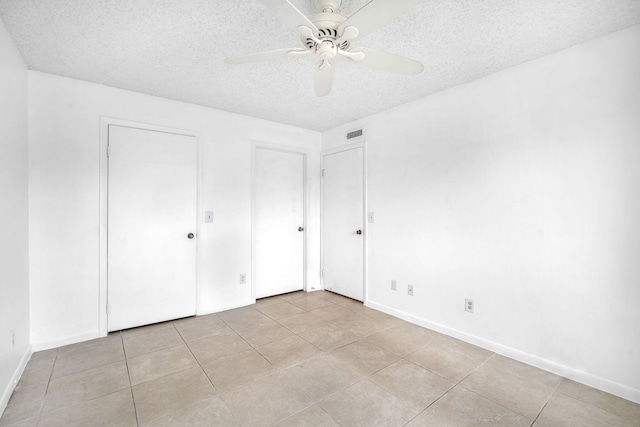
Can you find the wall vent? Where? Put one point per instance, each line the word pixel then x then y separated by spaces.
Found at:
pixel 355 134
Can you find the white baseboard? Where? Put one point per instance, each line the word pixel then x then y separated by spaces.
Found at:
pixel 582 377
pixel 6 395
pixel 64 341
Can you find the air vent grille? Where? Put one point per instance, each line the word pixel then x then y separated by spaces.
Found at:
pixel 354 134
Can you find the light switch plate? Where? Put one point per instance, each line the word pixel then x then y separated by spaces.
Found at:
pixel 208 216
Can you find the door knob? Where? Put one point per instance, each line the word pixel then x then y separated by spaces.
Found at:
pixel 190 235
pixel 300 229
pixel 359 232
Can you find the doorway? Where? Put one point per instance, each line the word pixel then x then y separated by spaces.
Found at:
pixel 343 229
pixel 151 226
pixel 278 221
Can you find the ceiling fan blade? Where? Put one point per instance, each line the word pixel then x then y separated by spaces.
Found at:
pixel 375 14
pixel 388 61
pixel 264 56
pixel 289 13
pixel 323 78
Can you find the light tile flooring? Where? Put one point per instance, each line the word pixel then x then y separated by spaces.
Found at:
pixel 299 359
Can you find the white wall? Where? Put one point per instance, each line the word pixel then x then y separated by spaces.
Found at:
pixel 14 231
pixel 521 191
pixel 64 159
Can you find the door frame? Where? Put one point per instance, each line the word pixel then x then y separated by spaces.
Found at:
pixel 257 145
pixel 105 122
pixel 365 228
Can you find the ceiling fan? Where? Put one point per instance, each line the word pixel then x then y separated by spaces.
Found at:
pixel 328 35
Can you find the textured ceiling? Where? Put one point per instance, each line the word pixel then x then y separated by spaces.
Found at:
pixel 175 49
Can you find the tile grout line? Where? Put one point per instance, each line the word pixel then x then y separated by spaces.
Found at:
pixel 126 362
pixel 547 401
pixel 455 384
pixel 220 393
pixel 46 390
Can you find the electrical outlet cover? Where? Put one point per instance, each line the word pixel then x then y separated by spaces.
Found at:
pixel 468 305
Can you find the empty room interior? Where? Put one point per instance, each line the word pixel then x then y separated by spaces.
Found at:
pixel 320 212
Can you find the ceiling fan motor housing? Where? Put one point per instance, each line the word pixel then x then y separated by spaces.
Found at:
pixel 327 25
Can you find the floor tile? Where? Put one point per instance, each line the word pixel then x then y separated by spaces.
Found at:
pixel 303 369
pixel 154 365
pixel 199 327
pixel 25 403
pixel 143 330
pixel 412 383
pixel 33 422
pixel 364 326
pixel 321 376
pixel 463 408
pixel 208 413
pixel 329 337
pixel 153 340
pixel 524 371
pixel 162 396
pixel 450 358
pixel 39 368
pixel 288 351
pixel 232 371
pixel 86 385
pixel 377 314
pixel 266 401
pixel 88 354
pixel 114 409
pixel 350 304
pixel 403 338
pixel 280 310
pixel 265 333
pixel 617 405
pixel 313 416
pixel 334 313
pixel 298 298
pixel 261 302
pixel 218 346
pixel 330 296
pixel 302 322
pixel 366 404
pixel 566 411
pixel 311 303
pixel 244 318
pixel 519 387
pixel 363 357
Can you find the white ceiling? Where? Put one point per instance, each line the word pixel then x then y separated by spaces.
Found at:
pixel 175 49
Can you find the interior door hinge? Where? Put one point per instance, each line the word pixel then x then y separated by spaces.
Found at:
pixel 323 272
pixel 108 151
pixel 322 172
pixel 107 308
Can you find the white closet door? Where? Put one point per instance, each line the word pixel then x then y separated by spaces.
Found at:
pixel 342 222
pixel 278 188
pixel 151 227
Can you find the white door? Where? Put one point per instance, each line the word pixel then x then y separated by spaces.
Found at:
pixel 278 197
pixel 151 227
pixel 342 222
